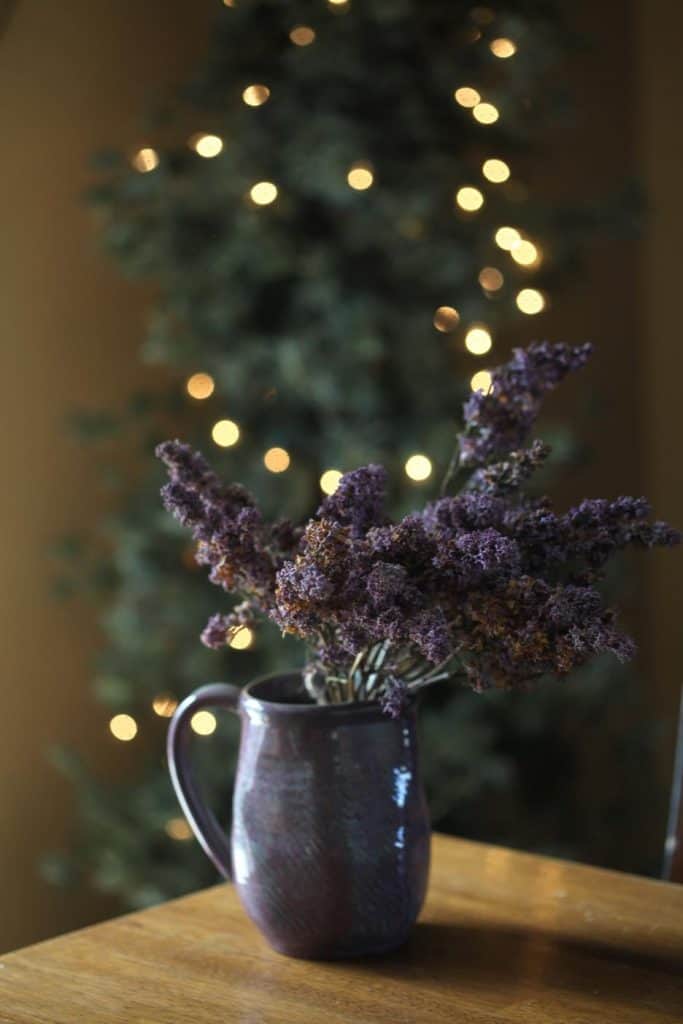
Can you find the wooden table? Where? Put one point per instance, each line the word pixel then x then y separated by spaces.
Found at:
pixel 504 937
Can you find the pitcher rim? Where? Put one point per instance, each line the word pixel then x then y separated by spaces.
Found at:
pixel 367 708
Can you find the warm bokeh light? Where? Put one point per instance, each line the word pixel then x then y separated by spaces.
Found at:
pixel 177 828
pixel 302 35
pixel 360 177
pixel 502 48
pixel 203 723
pixel 491 279
pixel 530 301
pixel 446 319
pixel 495 170
pixel 478 340
pixel 200 386
pixel 277 460
pixel 469 198
pixel 486 113
pixel 507 238
pixel 206 145
pixel 145 160
pixel 164 704
pixel 225 433
pixel 526 253
pixel 263 193
pixel 481 381
pixel 466 96
pixel 337 3
pixel 255 95
pixel 123 727
pixel 329 481
pixel 242 638
pixel 418 468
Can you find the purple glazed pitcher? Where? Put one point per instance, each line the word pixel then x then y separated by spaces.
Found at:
pixel 330 835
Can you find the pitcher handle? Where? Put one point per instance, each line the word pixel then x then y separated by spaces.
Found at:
pixel 200 817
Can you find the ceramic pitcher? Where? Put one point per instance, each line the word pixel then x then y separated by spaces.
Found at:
pixel 330 830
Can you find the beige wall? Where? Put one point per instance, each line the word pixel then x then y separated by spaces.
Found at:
pixel 73 78
pixel 659 70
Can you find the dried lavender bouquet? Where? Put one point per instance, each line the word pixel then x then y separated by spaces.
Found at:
pixel 488 585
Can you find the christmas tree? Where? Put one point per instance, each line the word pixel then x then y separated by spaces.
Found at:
pixel 334 214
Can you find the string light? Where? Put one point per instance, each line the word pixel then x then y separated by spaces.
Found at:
pixel 469 198
pixel 255 95
pixel 495 170
pixel 446 319
pixel 302 35
pixel 466 96
pixel 263 193
pixel 241 639
pixel 205 145
pixel 507 238
pixel 123 727
pixel 526 253
pixel 491 279
pixel 478 340
pixel 502 48
pixel 486 113
pixel 203 723
pixel 145 160
pixel 164 704
pixel 418 468
pixel 360 177
pixel 481 381
pixel 530 301
pixel 276 460
pixel 200 386
pixel 225 433
pixel 177 828
pixel 329 481
pixel 337 3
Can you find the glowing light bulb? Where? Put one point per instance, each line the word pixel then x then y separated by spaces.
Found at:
pixel 478 340
pixel 491 279
pixel 276 460
pixel 203 723
pixel 502 48
pixel 145 160
pixel 530 301
pixel 360 177
pixel 486 113
pixel 225 433
pixel 446 319
pixel 495 171
pixel 200 386
pixel 466 96
pixel 337 3
pixel 255 95
pixel 469 198
pixel 329 481
pixel 302 35
pixel 481 381
pixel 263 193
pixel 418 468
pixel 164 704
pixel 507 238
pixel 526 253
pixel 241 639
pixel 205 145
pixel 177 828
pixel 123 727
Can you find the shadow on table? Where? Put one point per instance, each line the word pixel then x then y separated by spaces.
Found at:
pixel 505 959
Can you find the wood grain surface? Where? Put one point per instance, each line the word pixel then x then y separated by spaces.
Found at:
pixel 504 936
